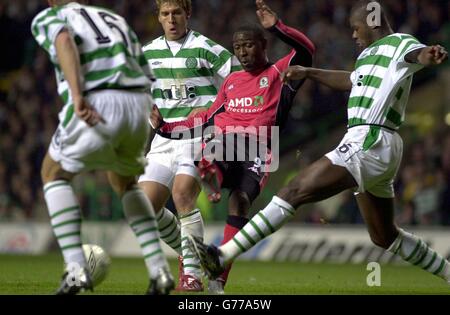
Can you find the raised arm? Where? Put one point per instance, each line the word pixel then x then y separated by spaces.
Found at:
pixel 335 79
pixel 294 38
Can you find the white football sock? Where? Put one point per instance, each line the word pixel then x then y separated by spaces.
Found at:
pixel 169 229
pixel 264 223
pixel 415 251
pixel 191 224
pixel 141 218
pixel 65 215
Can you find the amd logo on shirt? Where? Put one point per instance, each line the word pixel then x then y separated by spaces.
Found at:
pixel 245 102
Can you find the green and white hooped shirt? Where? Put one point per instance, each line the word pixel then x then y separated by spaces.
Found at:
pixel 381 84
pixel 188 78
pixel 111 56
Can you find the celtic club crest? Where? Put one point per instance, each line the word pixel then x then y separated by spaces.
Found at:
pixel 191 63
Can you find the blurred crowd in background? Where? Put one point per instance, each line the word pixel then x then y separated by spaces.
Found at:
pixel 29 104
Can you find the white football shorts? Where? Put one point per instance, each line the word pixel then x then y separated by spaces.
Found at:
pixel 372 157
pixel 117 145
pixel 168 158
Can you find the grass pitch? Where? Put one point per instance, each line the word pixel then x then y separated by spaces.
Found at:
pixel 41 275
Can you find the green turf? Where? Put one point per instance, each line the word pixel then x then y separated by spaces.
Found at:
pixel 40 275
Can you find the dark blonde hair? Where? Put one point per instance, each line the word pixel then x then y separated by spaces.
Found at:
pixel 186 5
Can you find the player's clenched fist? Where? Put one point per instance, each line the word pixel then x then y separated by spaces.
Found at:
pixel 294 73
pixel 86 112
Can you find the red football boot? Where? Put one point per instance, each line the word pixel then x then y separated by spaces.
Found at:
pixel 187 282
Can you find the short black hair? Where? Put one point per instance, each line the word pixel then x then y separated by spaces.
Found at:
pixel 256 29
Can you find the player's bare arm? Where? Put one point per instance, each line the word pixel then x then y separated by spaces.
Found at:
pixel 335 79
pixel 266 16
pixel 156 119
pixel 428 56
pixel 70 64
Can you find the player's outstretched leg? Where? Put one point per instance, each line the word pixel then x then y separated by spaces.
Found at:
pixel 318 182
pixel 214 260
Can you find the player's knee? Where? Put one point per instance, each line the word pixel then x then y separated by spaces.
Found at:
pixel 51 171
pixel 298 190
pixel 184 199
